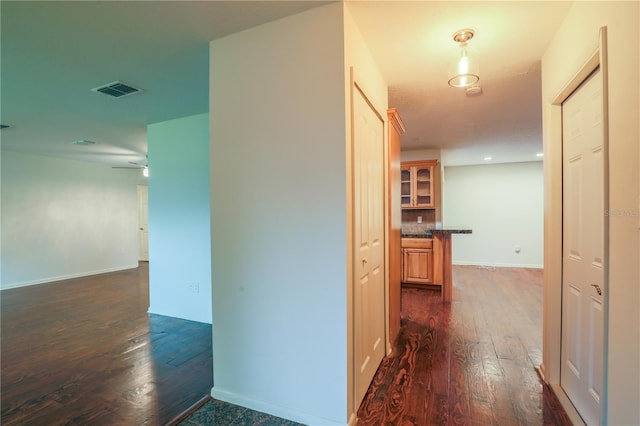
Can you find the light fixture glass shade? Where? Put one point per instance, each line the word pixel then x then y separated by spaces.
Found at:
pixel 465 73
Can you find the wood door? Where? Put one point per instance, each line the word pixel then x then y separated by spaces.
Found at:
pixel 417 266
pixel 423 186
pixel 369 270
pixel 583 179
pixel 406 188
pixel 143 223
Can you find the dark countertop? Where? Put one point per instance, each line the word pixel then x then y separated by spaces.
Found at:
pixel 452 230
pixel 425 234
pixel 428 233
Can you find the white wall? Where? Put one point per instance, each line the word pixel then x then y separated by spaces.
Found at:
pixel 565 55
pixel 179 218
pixel 278 197
pixel 65 218
pixel 503 205
pixel 280 194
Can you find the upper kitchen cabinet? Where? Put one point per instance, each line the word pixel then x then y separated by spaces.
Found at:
pixel 418 184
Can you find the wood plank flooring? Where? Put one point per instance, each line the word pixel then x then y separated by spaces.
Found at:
pixel 84 351
pixel 469 362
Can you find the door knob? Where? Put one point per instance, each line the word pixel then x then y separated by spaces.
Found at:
pixel 598 289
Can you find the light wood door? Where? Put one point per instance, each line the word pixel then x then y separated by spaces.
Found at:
pixel 583 249
pixel 423 186
pixel 143 222
pixel 417 266
pixel 369 272
pixel 417 184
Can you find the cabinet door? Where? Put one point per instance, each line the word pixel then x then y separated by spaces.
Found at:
pixel 423 177
pixel 406 191
pixel 417 266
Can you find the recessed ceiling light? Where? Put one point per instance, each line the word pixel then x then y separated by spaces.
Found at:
pixel 487 158
pixel 540 154
pixel 82 142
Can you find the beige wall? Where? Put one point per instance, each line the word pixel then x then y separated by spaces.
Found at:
pixel 574 43
pixel 366 74
pixel 422 154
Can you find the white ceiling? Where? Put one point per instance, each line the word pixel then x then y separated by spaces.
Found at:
pixel 53 53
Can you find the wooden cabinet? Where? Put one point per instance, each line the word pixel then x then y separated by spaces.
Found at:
pixel 418 189
pixel 396 129
pixel 417 261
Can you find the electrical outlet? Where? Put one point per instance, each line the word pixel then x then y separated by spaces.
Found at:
pixel 419 219
pixel 517 248
pixel 194 288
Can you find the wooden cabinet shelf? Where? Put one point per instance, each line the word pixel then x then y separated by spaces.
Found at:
pixel 417 191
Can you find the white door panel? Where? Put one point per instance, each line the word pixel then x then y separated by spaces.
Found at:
pixel 583 249
pixel 369 297
pixel 143 222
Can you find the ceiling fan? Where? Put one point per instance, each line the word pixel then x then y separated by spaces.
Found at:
pixel 134 165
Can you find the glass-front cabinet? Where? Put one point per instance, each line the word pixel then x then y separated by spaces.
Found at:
pixel 417 184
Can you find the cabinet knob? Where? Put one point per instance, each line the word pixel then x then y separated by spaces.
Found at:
pixel 364 261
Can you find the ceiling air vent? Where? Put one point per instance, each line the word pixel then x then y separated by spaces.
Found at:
pixel 117 89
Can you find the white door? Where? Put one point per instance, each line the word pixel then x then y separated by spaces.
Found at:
pixel 369 291
pixel 143 223
pixel 583 248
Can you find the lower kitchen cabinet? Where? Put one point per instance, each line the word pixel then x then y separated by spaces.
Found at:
pixel 417 261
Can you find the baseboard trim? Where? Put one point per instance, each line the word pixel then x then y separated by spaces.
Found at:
pixel 498 265
pixel 567 405
pixel 68 277
pixel 352 420
pixel 189 411
pixel 274 410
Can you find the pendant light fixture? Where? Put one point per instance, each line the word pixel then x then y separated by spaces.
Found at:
pixel 465 74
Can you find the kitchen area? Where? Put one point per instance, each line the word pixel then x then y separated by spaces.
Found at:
pixel 425 243
pixel 419 244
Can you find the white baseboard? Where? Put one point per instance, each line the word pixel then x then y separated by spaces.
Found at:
pixel 567 405
pixel 67 277
pixel 497 265
pixel 274 410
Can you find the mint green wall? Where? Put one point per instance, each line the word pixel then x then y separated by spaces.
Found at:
pixel 65 218
pixel 179 218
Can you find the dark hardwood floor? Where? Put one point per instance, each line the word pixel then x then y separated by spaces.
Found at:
pixel 469 362
pixel 84 351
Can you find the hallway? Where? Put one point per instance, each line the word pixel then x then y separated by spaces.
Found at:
pixel 471 362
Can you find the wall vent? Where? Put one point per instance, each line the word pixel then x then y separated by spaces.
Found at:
pixel 117 89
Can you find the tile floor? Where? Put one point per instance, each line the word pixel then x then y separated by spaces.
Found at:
pixel 220 413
